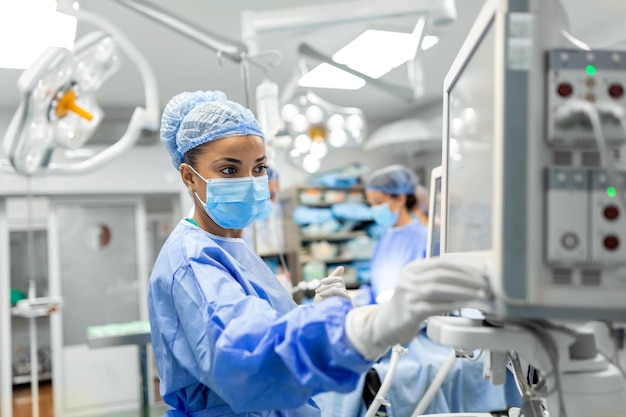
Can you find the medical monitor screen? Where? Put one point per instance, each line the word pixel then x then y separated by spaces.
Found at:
pixel 470 151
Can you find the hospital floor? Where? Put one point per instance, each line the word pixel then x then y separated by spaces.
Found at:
pixel 22 404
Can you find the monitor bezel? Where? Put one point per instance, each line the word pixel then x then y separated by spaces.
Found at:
pixel 492 17
pixel 488 19
pixel 435 176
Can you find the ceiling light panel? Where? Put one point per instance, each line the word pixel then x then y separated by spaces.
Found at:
pixel 376 52
pixel 327 76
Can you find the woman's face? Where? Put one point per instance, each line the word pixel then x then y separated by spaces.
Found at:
pixel 233 157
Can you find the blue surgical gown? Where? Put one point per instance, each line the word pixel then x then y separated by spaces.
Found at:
pixel 463 391
pixel 229 340
pixel 396 247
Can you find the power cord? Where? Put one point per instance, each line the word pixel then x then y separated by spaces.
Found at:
pixel 539 330
pixel 396 352
pixel 572 108
pixel 434 386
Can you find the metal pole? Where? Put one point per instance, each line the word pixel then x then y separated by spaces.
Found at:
pixel 6 381
pixel 34 366
pixel 143 363
pixel 224 46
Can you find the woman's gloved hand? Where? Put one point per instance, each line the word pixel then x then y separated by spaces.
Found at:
pixel 425 288
pixel 331 286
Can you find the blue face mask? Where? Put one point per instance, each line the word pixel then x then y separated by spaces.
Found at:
pixel 383 215
pixel 269 209
pixel 234 203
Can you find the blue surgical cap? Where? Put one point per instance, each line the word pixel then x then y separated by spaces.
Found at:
pixel 394 179
pixel 192 119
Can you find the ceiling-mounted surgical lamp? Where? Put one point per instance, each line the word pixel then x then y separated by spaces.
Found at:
pixel 58 108
pixel 317 126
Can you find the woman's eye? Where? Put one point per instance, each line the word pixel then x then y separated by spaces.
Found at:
pixel 261 169
pixel 228 171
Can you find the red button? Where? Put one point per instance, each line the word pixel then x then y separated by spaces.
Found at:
pixel 611 212
pixel 616 90
pixel 564 89
pixel 611 242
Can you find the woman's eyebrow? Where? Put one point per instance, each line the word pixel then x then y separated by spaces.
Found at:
pixel 237 161
pixel 226 159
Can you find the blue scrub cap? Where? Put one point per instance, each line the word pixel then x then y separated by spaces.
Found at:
pixel 192 119
pixel 394 179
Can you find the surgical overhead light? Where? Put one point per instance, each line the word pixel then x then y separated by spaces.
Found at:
pixel 318 127
pixel 58 108
pixel 58 101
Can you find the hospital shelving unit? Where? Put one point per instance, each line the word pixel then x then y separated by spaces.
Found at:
pixel 332 238
pixel 357 265
pixel 287 253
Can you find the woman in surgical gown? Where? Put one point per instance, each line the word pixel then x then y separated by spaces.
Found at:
pixel 390 192
pixel 228 339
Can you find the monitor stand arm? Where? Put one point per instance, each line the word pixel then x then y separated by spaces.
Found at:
pixel 578 378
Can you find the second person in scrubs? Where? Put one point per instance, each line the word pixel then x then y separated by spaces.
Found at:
pixel 390 192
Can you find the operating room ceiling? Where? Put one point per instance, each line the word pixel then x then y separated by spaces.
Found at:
pixel 183 65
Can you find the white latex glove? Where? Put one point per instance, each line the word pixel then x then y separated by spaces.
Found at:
pixel 425 288
pixel 331 286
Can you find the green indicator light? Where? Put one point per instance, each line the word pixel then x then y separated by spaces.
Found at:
pixel 591 70
pixel 610 192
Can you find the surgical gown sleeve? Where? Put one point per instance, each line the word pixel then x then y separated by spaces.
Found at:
pixel 243 349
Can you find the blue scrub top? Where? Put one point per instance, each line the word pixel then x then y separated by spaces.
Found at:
pixel 230 341
pixel 394 249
